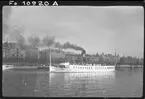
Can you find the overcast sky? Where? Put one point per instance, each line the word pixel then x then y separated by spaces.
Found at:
pixel 96 29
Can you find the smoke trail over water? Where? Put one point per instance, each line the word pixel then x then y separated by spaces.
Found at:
pixel 15 33
pixel 48 40
pixel 11 31
pixel 67 45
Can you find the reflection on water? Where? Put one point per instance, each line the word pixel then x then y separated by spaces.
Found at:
pixel 82 83
pixel 121 83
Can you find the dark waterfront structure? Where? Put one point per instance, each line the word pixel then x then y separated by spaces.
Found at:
pixel 28 55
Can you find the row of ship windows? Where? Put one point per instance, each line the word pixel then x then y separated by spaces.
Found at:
pixel 92 67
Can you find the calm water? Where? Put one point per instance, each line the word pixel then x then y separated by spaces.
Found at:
pixel 123 82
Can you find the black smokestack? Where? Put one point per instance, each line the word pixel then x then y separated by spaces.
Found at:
pixel 83 53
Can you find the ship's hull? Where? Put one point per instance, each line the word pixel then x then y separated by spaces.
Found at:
pixel 80 68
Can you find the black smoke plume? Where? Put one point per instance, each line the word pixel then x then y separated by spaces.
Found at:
pixel 34 41
pixel 48 40
pixel 75 47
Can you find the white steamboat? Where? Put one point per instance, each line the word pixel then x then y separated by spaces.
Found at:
pixel 67 67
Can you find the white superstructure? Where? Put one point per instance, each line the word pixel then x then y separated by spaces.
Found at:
pixel 66 67
pixel 4 67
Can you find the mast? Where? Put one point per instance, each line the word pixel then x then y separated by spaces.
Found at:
pixel 115 57
pixel 49 57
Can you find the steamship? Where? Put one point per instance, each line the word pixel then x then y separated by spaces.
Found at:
pixel 67 67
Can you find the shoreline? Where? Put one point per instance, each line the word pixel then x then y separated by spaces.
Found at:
pixel 38 67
